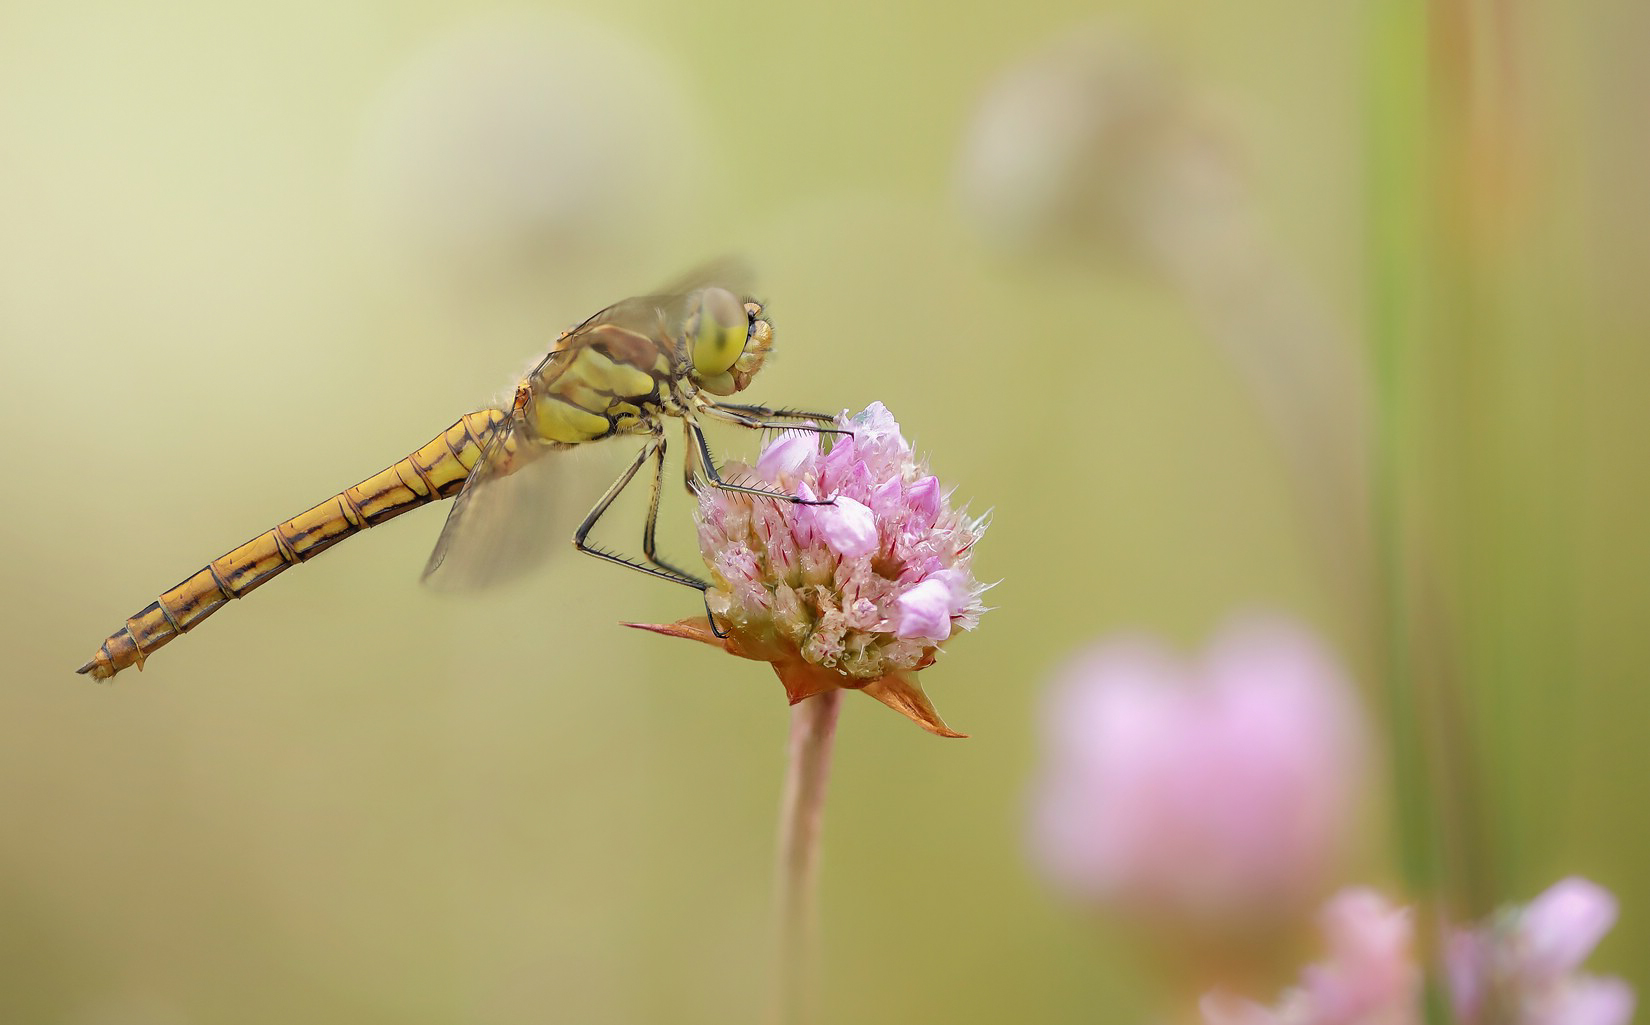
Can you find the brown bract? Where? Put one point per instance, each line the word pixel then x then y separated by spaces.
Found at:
pixel 802 679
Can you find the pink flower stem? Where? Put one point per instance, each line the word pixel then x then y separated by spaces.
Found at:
pixel 802 812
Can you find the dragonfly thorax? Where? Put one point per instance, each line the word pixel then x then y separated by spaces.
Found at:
pixel 640 360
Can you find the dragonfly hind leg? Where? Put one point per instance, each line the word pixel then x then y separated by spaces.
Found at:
pixel 660 570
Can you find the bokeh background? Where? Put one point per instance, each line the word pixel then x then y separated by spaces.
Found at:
pixel 1336 310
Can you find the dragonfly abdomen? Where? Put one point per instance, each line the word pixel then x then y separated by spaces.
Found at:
pixel 435 471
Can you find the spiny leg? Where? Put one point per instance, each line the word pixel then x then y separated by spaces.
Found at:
pixel 651 526
pixel 693 489
pixel 689 458
pixel 716 480
pixel 774 413
pixel 731 415
pixel 602 506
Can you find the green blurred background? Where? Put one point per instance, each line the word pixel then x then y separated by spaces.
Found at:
pixel 251 253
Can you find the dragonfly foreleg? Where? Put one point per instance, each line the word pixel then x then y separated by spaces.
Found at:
pixel 773 413
pixel 761 418
pixel 602 505
pixel 715 478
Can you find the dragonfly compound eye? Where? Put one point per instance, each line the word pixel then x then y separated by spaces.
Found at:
pixel 717 334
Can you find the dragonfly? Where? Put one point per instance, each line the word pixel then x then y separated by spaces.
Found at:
pixel 626 371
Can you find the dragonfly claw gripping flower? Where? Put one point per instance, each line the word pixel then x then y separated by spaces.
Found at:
pixel 858 594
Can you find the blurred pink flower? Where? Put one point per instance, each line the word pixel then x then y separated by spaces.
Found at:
pixel 1218 791
pixel 1369 977
pixel 1523 967
pixel 856 595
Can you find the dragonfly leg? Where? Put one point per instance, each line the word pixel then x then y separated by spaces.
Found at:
pixel 689 460
pixel 715 478
pixel 650 527
pixel 710 617
pixel 602 506
pixel 761 418
pixel 774 413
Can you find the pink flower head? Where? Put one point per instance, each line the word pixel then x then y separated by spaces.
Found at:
pixel 857 594
pixel 1369 978
pixel 1523 967
pixel 1216 791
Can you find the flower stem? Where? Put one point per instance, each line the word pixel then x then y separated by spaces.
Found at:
pixel 802 812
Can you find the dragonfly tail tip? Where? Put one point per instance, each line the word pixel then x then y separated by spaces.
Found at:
pixel 95 671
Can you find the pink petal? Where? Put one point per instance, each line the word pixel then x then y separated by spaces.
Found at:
pixel 1589 1001
pixel 887 499
pixel 837 463
pixel 1370 971
pixel 849 528
pixel 1563 925
pixel 1466 966
pixel 923 499
pixel 879 424
pixel 788 454
pixel 925 611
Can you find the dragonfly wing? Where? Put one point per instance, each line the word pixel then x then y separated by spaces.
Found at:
pixel 658 316
pixel 729 272
pixel 501 523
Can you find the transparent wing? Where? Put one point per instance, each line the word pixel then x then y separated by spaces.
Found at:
pixel 657 317
pixel 501 523
pixel 730 272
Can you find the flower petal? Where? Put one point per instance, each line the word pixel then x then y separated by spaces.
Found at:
pixel 925 610
pixel 1467 968
pixel 925 501
pixel 1564 924
pixel 849 528
pixel 788 454
pixel 1590 1001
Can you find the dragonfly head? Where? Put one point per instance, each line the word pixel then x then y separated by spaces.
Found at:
pixel 727 340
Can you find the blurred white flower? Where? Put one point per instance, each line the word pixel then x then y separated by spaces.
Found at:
pixel 1093 147
pixel 1092 143
pixel 522 143
pixel 1523 967
pixel 1212 793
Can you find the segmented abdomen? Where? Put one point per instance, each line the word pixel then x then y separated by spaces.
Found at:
pixel 435 471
